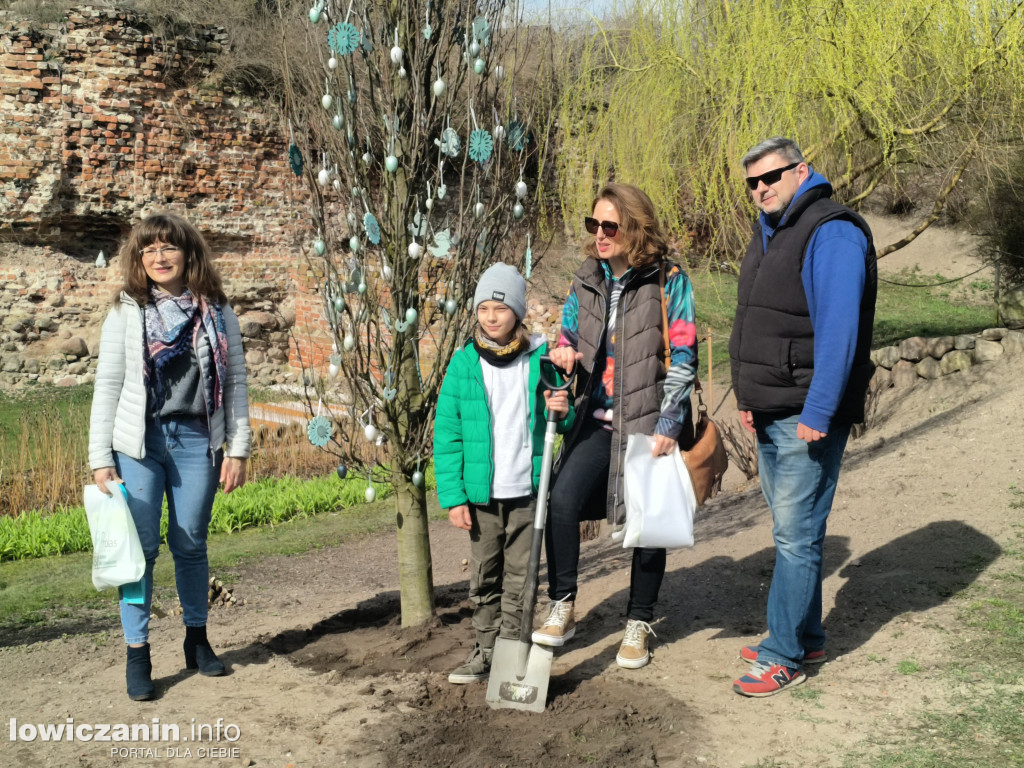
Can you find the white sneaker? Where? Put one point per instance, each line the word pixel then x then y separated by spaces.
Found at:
pixel 633 652
pixel 560 625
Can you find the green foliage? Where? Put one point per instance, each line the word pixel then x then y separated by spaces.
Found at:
pixel 868 88
pixel 1005 242
pixel 266 502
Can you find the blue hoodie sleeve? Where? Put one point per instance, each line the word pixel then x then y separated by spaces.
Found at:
pixel 833 276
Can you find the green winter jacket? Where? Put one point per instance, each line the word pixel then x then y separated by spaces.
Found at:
pixel 463 449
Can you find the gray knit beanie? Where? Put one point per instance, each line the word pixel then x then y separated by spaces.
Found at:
pixel 502 282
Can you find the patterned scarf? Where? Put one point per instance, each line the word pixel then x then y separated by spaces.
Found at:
pixel 173 325
pixel 496 355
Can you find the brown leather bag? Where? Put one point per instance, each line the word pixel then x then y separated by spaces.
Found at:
pixel 706 460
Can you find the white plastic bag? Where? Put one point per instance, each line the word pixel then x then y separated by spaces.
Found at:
pixel 660 501
pixel 116 550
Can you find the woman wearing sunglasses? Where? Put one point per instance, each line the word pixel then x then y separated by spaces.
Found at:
pixel 622 389
pixel 170 417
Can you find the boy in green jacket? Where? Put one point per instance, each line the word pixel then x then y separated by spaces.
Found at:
pixel 488 442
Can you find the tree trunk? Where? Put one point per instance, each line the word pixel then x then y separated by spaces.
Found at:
pixel 415 571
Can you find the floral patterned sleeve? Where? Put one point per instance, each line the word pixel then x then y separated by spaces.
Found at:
pixel 569 336
pixel 682 339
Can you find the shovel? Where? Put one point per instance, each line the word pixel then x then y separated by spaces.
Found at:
pixel 520 670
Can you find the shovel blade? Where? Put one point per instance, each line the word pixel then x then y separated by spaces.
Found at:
pixel 506 689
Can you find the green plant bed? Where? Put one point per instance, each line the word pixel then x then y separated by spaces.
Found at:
pixel 267 502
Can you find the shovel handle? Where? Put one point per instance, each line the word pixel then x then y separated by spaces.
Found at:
pixel 569 377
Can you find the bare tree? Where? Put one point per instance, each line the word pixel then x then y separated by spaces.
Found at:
pixel 413 139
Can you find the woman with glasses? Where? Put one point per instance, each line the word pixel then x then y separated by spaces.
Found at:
pixel 612 328
pixel 170 417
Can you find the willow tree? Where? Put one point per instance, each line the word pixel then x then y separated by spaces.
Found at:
pixel 413 140
pixel 869 89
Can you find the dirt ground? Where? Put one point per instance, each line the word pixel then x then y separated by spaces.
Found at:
pixel 321 674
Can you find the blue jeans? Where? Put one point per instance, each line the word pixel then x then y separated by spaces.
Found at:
pixel 177 463
pixel 798 480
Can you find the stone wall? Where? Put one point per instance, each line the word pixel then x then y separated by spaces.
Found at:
pixel 904 364
pixel 102 122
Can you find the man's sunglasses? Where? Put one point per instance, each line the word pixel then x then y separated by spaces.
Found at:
pixel 611 228
pixel 770 177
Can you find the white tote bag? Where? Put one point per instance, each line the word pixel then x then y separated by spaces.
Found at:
pixel 116 550
pixel 660 501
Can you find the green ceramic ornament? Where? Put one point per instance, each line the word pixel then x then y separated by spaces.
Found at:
pixel 518 211
pixel 353 244
pixel 319 246
pixel 478 66
pixel 417 479
pixel 342 471
pixel 339 303
pixel 411 315
pixel 391 163
pixel 451 306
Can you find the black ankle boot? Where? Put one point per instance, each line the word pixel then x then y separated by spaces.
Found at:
pixel 199 655
pixel 139 674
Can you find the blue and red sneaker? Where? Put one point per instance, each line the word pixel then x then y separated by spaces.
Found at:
pixel 749 654
pixel 767 680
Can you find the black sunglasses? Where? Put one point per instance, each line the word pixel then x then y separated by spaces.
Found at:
pixel 611 228
pixel 770 177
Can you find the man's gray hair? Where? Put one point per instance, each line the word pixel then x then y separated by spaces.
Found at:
pixel 783 147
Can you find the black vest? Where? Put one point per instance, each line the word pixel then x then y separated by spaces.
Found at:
pixel 772 344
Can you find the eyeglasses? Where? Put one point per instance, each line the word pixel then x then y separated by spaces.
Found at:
pixel 610 228
pixel 169 249
pixel 770 177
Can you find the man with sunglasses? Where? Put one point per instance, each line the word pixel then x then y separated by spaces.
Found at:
pixel 800 354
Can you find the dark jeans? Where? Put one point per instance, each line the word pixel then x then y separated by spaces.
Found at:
pixel 580 492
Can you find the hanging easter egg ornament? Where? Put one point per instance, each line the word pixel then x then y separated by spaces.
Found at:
pixel 481 145
pixel 319 431
pixel 482 30
pixel 361 288
pixel 499 73
pixel 402 73
pixel 387 273
pixel 429 204
pixel 319 245
pixel 442 244
pixel 414 250
pixel 323 177
pixel 418 228
pixel 518 211
pixel 339 303
pixel 442 190
pixel 295 159
pixel 478 210
pixel 367 158
pixel 450 145
pixel 451 306
pixel 474 48
pixel 349 343
pixel 517 136
pixel 336 184
pixel 411 315
pixel 521 188
pixel 342 471
pixel 356 192
pixel 439 88
pixel 391 163
pixel 478 66
pixel 338 122
pixel 417 479
pixel 397 54
pixel 370 495
pixel 343 38
pixel 370 432
pixel 372 228
pixel 332 63
pixel 353 244
pixel 333 370
pixel 350 219
pixel 315 12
